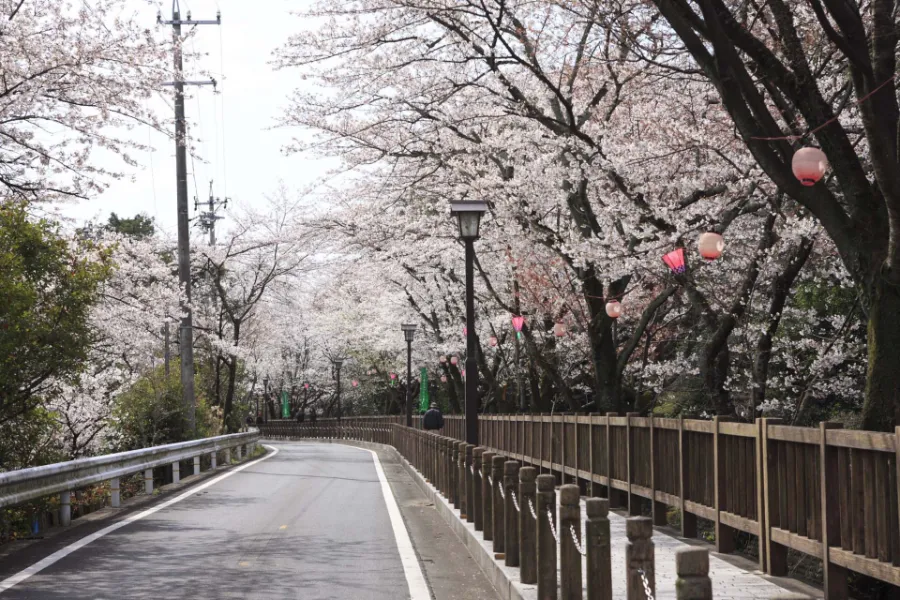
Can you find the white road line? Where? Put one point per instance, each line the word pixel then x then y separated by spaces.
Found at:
pixel 418 589
pixel 42 564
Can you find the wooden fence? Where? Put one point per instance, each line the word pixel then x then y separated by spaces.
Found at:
pixel 825 492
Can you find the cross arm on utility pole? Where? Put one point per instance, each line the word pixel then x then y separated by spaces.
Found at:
pixel 210 81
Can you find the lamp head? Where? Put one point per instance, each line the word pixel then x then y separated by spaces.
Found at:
pixel 469 215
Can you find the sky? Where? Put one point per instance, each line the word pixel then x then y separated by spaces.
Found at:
pixel 238 149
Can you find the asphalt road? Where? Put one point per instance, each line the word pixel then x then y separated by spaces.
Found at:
pixel 310 522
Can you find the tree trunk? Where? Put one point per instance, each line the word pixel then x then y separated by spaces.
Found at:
pixel 881 411
pixel 230 425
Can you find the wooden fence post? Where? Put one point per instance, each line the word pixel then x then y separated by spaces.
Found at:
pixel 453 450
pixel 545 514
pixel 835 577
pixel 724 533
pixel 569 530
pixel 510 515
pixel 487 496
pixel 498 509
pixel 598 547
pixel 639 558
pixel 527 525
pixel 688 520
pixel 658 510
pixel 692 570
pixel 461 480
pixel 776 554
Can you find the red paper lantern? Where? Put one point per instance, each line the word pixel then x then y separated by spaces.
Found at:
pixel 355 383
pixel 453 360
pixel 675 260
pixel 559 329
pixel 711 245
pixel 614 309
pixel 493 340
pixel 518 322
pixel 809 165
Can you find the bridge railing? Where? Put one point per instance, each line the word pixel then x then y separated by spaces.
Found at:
pixel 824 492
pixel 62 478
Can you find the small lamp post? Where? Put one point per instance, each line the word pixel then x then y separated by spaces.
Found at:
pixel 266 398
pixel 469 216
pixel 409 333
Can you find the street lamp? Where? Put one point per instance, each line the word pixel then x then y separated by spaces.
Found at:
pixel 337 373
pixel 266 398
pixel 469 216
pixel 409 332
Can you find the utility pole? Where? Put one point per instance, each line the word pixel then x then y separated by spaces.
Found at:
pixel 208 219
pixel 166 352
pixel 186 335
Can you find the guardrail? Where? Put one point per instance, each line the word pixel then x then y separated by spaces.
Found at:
pixel 63 478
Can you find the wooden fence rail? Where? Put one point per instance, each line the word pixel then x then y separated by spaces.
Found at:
pixel 825 492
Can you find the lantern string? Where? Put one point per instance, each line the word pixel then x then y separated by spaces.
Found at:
pixel 792 138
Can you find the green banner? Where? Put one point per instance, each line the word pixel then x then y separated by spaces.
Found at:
pixel 423 389
pixel 285 406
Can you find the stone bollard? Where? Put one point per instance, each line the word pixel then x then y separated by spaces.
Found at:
pixel 569 531
pixel 176 472
pixel 527 526
pixel 115 497
pixel 65 508
pixel 470 484
pixel 487 496
pixel 477 506
pixel 498 504
pixel 598 547
pixel 510 514
pixel 639 558
pixel 692 570
pixel 148 481
pixel 545 513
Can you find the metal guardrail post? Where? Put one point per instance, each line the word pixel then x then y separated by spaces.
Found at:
pixel 692 569
pixel 115 497
pixel 569 535
pixel 176 472
pixel 640 573
pixel 599 549
pixel 65 508
pixel 498 509
pixel 487 496
pixel 510 512
pixel 196 465
pixel 148 481
pixel 212 460
pixel 545 514
pixel 527 525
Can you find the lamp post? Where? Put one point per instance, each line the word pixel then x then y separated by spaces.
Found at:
pixel 469 216
pixel 337 374
pixel 266 399
pixel 409 332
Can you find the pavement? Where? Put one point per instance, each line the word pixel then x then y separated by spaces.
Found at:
pixel 310 522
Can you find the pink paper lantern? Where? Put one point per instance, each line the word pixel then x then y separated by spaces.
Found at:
pixel 393 376
pixel 465 331
pixel 305 386
pixel 614 309
pixel 711 245
pixel 355 383
pixel 443 360
pixel 493 340
pixel 463 373
pixel 675 260
pixel 518 322
pixel 453 360
pixel 809 165
pixel 443 379
pixel 559 329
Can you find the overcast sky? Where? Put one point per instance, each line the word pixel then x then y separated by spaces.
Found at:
pixel 239 150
